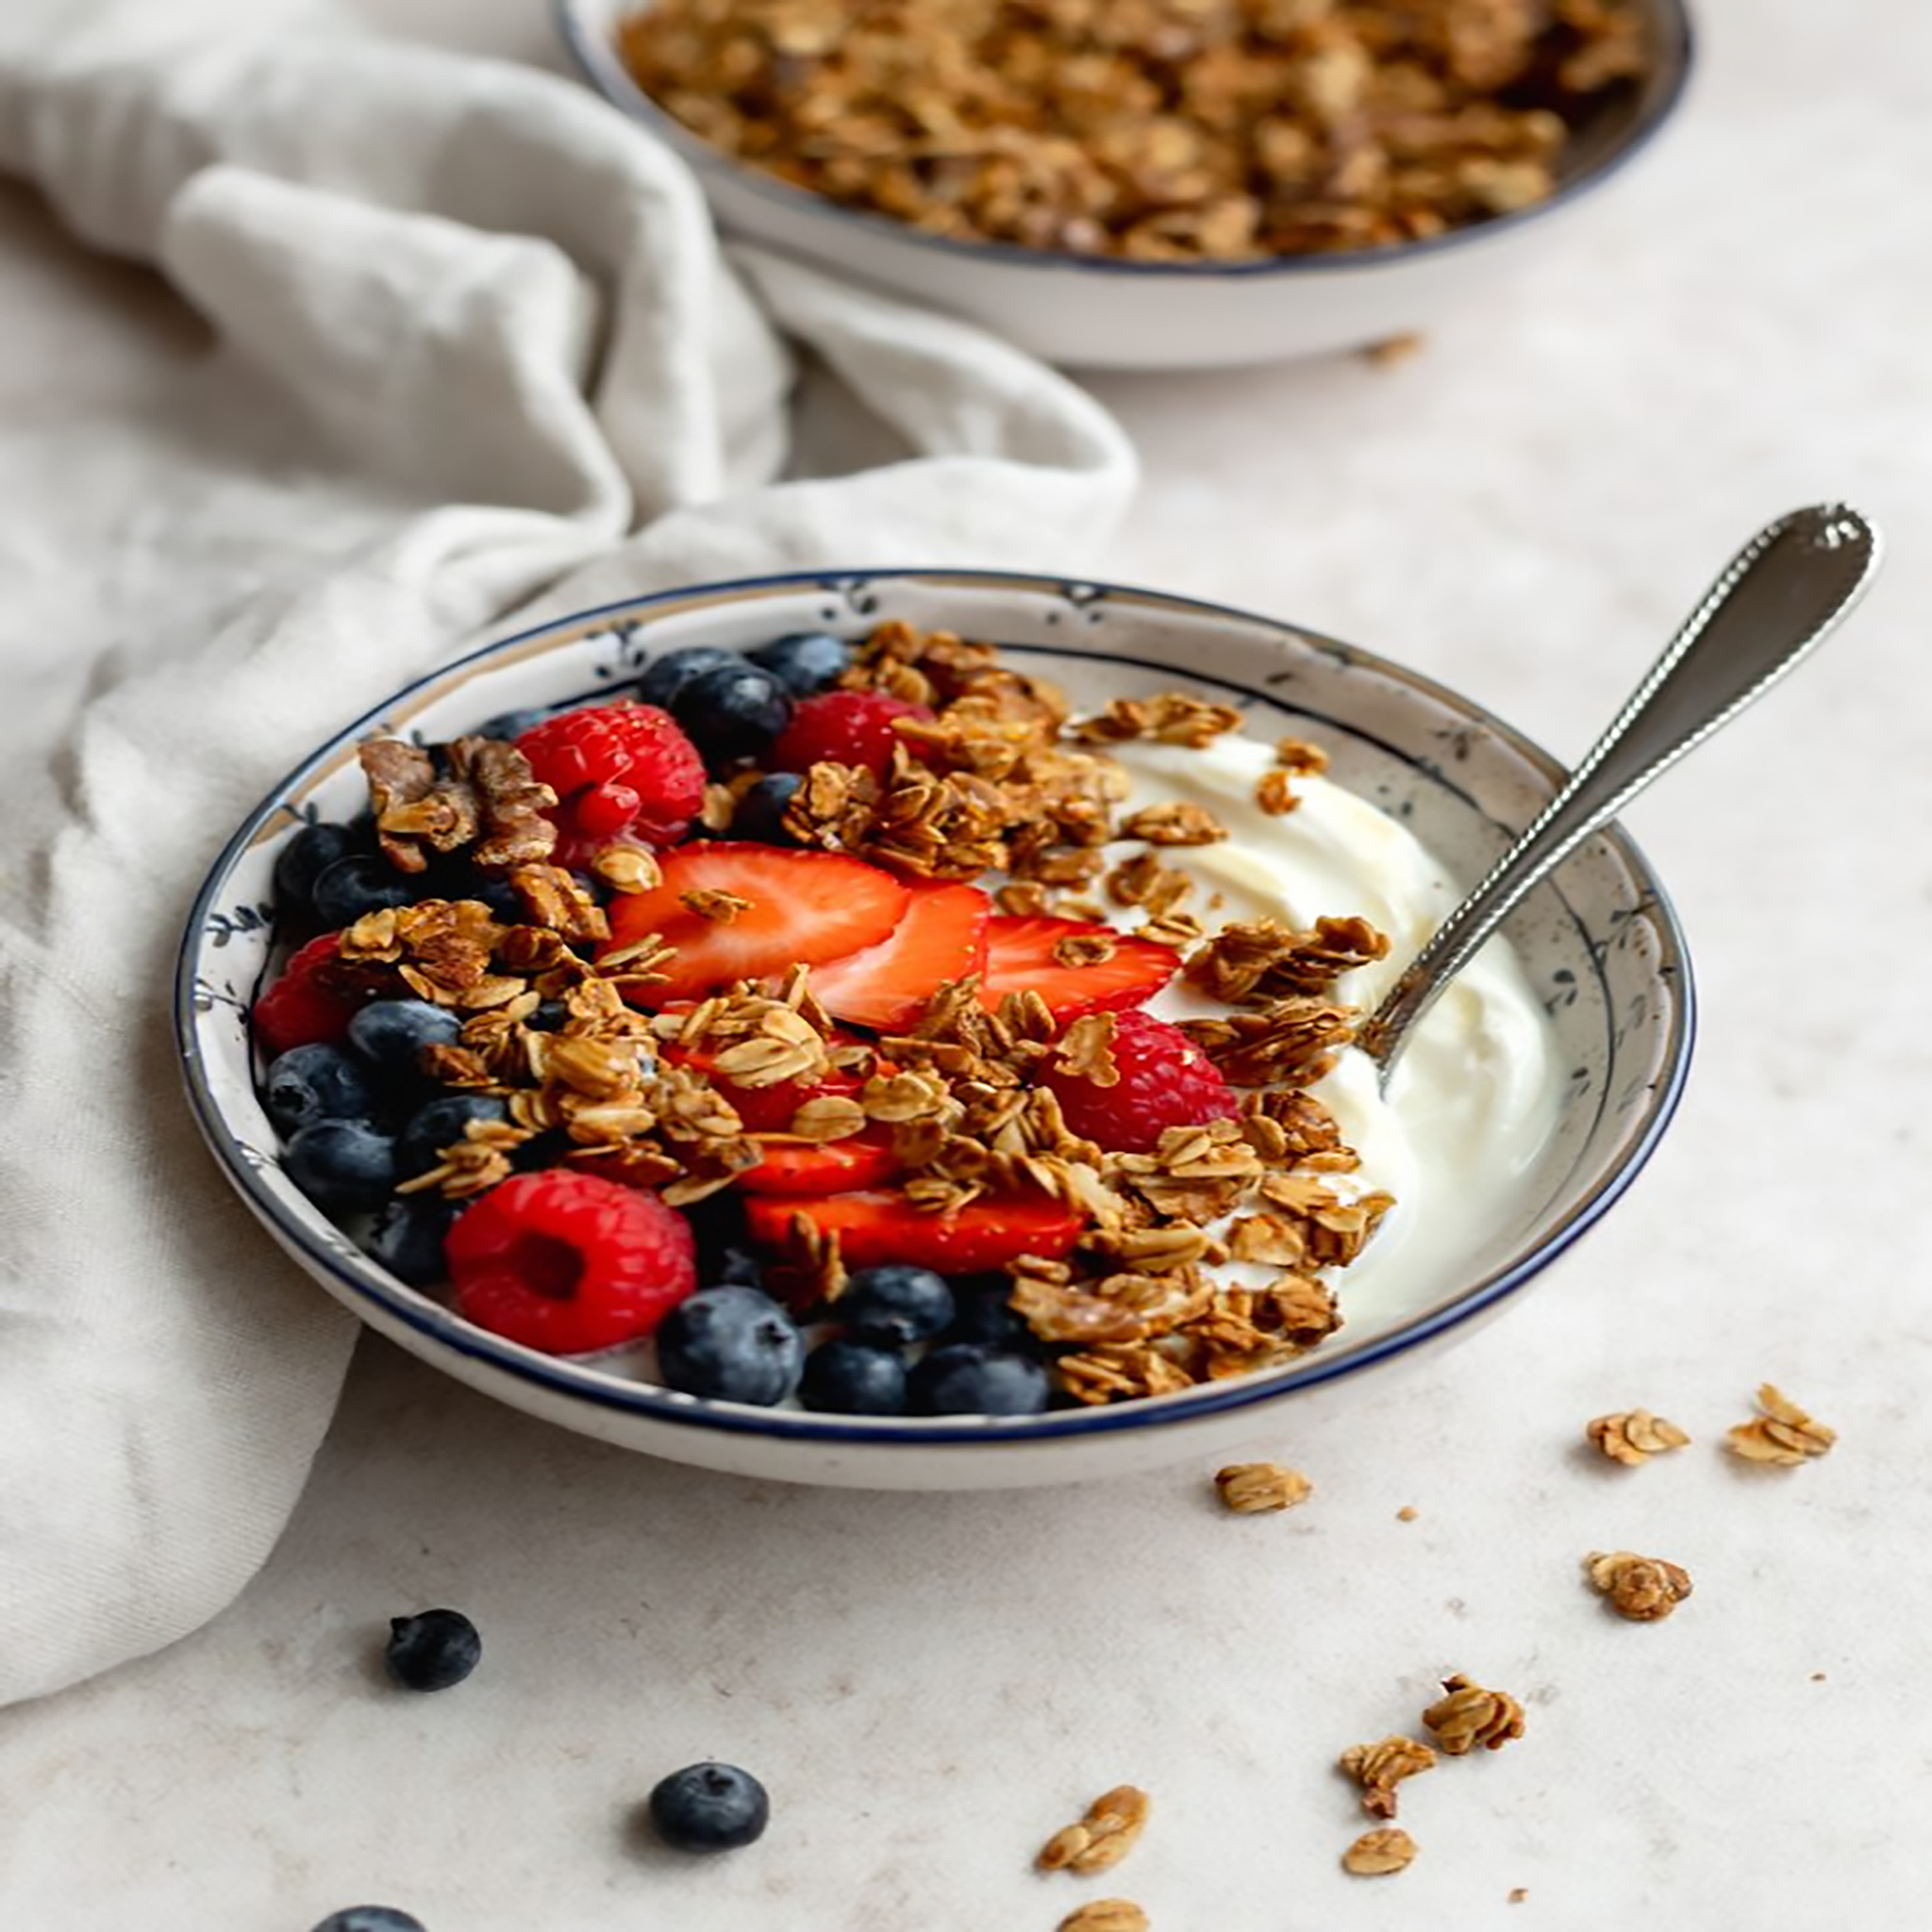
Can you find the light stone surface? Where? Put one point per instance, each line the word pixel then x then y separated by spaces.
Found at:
pixel 930 1686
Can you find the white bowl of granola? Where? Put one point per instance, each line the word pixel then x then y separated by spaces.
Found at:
pixel 1249 803
pixel 1154 189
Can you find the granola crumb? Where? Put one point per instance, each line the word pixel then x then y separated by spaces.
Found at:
pixel 1468 1715
pixel 1391 350
pixel 1408 1513
pixel 1633 1436
pixel 1102 1836
pixel 1518 1893
pixel 1379 1768
pixel 1644 1589
pixel 1783 1434
pixel 1373 1854
pixel 1250 1488
pixel 1106 1915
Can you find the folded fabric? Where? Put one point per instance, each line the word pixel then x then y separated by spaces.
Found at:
pixel 496 314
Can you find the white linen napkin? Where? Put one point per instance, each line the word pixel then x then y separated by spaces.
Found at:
pixel 477 325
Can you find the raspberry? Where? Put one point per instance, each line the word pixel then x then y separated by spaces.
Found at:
pixel 844 727
pixel 298 1010
pixel 618 769
pixel 569 1262
pixel 1165 1081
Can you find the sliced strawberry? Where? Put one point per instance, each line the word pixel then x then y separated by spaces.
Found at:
pixel 1021 957
pixel 802 908
pixel 770 1109
pixel 828 1167
pixel 876 1228
pixel 940 937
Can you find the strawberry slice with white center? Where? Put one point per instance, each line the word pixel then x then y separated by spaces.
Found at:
pixel 745 912
pixel 1030 955
pixel 940 937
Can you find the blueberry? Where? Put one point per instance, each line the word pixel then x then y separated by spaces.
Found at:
pixel 316 1082
pixel 664 678
pixel 505 902
pixel 710 1807
pixel 548 1017
pixel 303 860
pixel 986 1313
pixel 512 724
pixel 341 1164
pixel 432 1650
pixel 371 1919
pixel 968 1378
pixel 732 1343
pixel 844 1378
pixel 760 815
pixel 391 1034
pixel 731 710
pixel 407 1237
pixel 362 882
pixel 440 1124
pixel 804 662
pixel 895 1306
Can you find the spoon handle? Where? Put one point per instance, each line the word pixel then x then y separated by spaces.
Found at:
pixel 1781 595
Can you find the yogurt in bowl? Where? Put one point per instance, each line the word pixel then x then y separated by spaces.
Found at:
pixel 1545 1079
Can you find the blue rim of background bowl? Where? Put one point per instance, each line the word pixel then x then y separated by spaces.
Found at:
pixel 601 65
pixel 560 1377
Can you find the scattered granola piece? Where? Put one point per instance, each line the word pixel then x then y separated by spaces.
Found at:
pixel 1633 1436
pixel 1391 350
pixel 1643 1589
pixel 1250 1488
pixel 1274 792
pixel 1783 1434
pixel 1373 1854
pixel 1468 1715
pixel 1106 1915
pixel 1101 1838
pixel 1408 1513
pixel 1379 1768
pixel 1518 1893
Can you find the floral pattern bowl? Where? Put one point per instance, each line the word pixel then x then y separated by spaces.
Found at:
pixel 1600 944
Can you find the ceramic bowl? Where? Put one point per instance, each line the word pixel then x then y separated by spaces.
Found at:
pixel 1083 312
pixel 1600 945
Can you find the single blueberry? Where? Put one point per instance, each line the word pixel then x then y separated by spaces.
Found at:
pixel 440 1124
pixel 734 1344
pixel 985 1312
pixel 342 1165
pixel 316 1081
pixel 968 1378
pixel 710 1807
pixel 895 1306
pixel 407 1236
pixel 760 814
pixel 306 857
pixel 844 1378
pixel 362 882
pixel 432 1650
pixel 512 724
pixel 371 1919
pixel 665 677
pixel 548 1017
pixel 732 709
pixel 391 1034
pixel 804 662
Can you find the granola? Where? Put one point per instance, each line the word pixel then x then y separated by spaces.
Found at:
pixel 1379 1768
pixel 1103 1834
pixel 1154 130
pixel 1644 1589
pixel 1783 1433
pixel 1633 1436
pixel 1249 1487
pixel 1467 1715
pixel 1106 1915
pixel 1377 1852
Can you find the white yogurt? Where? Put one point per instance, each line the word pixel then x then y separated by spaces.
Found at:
pixel 1474 1097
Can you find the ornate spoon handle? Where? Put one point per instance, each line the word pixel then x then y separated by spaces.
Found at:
pixel 1780 596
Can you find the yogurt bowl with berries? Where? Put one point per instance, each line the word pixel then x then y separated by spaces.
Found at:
pixel 896 1030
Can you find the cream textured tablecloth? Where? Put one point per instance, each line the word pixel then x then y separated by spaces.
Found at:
pixel 929 1686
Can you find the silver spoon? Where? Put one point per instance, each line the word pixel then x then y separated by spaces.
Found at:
pixel 1781 595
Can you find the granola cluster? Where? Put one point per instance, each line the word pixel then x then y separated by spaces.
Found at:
pixel 1001 779
pixel 1153 130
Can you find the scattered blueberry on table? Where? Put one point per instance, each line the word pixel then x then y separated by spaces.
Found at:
pixel 432 1650
pixel 710 1807
pixel 371 1919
